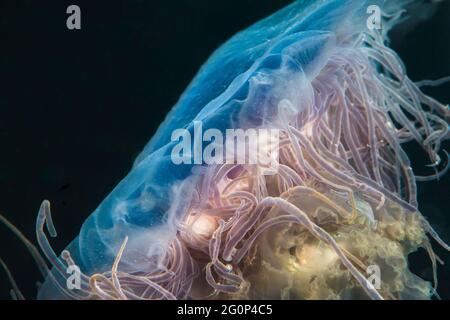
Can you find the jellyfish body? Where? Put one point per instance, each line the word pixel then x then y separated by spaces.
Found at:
pixel 345 193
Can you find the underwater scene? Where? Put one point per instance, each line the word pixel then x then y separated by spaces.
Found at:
pixel 225 150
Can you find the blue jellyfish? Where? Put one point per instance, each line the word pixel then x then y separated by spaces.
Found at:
pixel 335 218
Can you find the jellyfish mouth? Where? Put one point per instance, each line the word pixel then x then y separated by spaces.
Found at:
pixel 202 225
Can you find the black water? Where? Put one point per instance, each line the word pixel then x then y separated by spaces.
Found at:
pixel 76 107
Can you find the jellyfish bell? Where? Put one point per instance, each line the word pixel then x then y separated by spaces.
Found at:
pixel 341 200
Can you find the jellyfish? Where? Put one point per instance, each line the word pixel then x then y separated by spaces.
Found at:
pixel 342 200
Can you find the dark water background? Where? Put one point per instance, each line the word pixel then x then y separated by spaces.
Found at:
pixel 76 107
